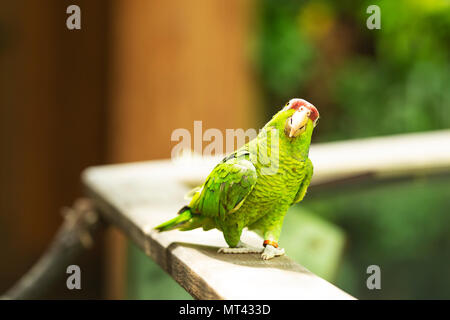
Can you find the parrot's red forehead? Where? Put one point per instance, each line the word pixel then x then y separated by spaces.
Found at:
pixel 297 104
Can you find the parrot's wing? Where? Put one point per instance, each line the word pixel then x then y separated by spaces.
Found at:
pixel 227 186
pixel 305 183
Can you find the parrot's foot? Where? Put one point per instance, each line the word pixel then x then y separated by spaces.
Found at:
pixel 271 252
pixel 241 248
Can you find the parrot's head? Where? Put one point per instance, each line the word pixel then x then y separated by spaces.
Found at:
pixel 298 119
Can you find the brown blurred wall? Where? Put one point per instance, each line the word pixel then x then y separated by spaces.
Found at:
pixel 52 103
pixel 111 92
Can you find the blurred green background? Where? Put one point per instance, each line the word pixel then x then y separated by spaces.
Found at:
pixel 367 83
pixel 370 83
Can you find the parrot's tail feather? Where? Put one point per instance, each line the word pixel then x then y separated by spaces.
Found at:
pixel 184 215
pixel 185 208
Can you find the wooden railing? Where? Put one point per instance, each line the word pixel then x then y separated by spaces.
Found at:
pixel 138 196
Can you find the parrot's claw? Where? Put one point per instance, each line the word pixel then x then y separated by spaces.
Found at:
pixel 241 248
pixel 271 252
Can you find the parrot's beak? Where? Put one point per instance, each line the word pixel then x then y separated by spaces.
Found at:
pixel 296 124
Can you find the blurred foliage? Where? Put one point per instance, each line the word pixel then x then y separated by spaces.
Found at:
pixel 402 227
pixel 314 241
pixel 146 280
pixel 322 51
pixel 368 83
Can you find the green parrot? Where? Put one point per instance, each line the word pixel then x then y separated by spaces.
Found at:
pixel 254 186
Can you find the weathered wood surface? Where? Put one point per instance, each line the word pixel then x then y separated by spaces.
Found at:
pixel 137 197
pixel 399 155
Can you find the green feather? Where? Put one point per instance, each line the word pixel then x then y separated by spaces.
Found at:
pixel 182 218
pixel 242 192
